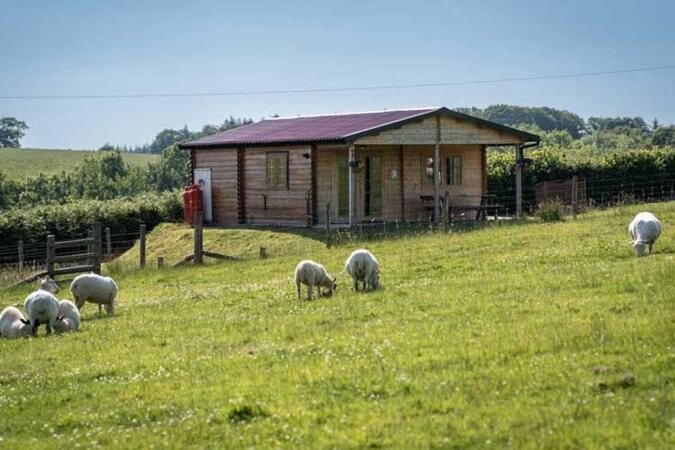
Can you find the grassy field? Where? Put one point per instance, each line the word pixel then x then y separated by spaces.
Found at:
pixel 18 163
pixel 523 335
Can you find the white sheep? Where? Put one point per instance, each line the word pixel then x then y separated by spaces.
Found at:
pixel 645 229
pixel 49 285
pixel 96 289
pixel 363 266
pixel 68 317
pixel 13 324
pixel 42 308
pixel 313 274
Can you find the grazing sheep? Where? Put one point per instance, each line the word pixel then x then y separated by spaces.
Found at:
pixel 13 324
pixel 645 229
pixel 96 289
pixel 49 285
pixel 362 266
pixel 313 274
pixel 42 308
pixel 68 318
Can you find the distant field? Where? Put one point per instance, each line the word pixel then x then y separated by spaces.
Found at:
pixel 523 335
pixel 18 163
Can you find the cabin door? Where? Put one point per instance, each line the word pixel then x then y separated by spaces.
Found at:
pixel 372 187
pixel 341 189
pixel 202 177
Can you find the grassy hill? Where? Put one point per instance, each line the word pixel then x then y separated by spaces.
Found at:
pixel 18 163
pixel 522 335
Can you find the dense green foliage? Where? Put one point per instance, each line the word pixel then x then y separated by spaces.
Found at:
pixel 123 215
pixel 11 131
pixel 514 336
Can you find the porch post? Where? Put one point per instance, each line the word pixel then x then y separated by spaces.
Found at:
pixel 519 181
pixel 437 173
pixel 352 184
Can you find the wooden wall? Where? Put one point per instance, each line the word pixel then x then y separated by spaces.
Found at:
pixel 223 165
pixel 453 131
pixel 466 194
pixel 273 206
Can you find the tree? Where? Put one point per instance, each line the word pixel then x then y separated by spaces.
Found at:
pixel 664 136
pixel 11 131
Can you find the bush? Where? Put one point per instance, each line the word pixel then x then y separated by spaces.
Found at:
pixel 122 215
pixel 551 211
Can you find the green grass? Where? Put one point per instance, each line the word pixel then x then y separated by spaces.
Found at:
pixel 526 335
pixel 19 163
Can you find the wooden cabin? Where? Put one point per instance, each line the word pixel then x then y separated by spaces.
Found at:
pixel 361 167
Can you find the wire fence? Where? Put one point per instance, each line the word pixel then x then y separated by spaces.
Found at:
pixel 23 259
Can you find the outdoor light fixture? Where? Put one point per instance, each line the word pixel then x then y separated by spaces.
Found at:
pixel 306 155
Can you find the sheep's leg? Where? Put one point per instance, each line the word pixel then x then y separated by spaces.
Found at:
pixel 49 327
pixel 650 247
pixel 356 284
pixel 309 292
pixel 34 327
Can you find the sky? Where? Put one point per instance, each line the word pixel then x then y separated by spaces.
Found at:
pixel 80 48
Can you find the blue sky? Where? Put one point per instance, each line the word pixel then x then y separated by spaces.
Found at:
pixel 119 47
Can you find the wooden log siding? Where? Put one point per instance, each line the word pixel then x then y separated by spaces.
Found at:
pixel 453 131
pixel 223 165
pixel 277 206
pixel 472 177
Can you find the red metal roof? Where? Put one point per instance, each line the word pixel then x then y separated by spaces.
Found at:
pixel 336 127
pixel 331 128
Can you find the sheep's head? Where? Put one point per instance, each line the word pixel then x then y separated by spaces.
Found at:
pixel 49 285
pixel 639 248
pixel 375 282
pixel 332 286
pixel 25 329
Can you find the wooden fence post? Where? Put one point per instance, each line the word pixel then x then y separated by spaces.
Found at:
pixel 20 250
pixel 328 232
pixel 108 244
pixel 50 255
pixel 575 195
pixel 446 210
pixel 199 238
pixel 160 262
pixel 97 248
pixel 263 253
pixel 142 246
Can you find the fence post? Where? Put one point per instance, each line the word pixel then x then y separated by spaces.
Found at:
pixel 575 195
pixel 20 249
pixel 160 262
pixel 108 244
pixel 199 258
pixel 262 253
pixel 446 210
pixel 328 232
pixel 50 255
pixel 142 246
pixel 90 245
pixel 97 248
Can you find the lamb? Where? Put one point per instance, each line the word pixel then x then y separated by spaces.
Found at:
pixel 41 307
pixel 96 289
pixel 363 266
pixel 68 317
pixel 645 229
pixel 313 274
pixel 13 324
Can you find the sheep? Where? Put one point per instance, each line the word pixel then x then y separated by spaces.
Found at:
pixel 645 229
pixel 96 289
pixel 363 266
pixel 49 285
pixel 313 274
pixel 42 308
pixel 68 317
pixel 13 324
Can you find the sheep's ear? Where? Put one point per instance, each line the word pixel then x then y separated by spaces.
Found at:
pixel 334 279
pixel 25 322
pixel 61 317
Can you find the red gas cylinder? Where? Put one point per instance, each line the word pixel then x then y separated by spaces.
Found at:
pixel 187 206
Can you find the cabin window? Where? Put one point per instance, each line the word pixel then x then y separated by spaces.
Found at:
pixel 277 170
pixel 453 170
pixel 428 173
